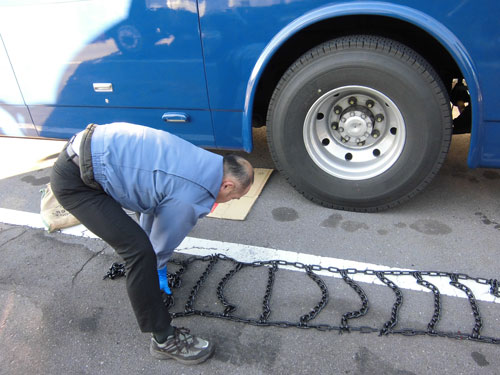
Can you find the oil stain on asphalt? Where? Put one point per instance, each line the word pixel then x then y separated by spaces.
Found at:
pixel 285 214
pixel 487 221
pixel 431 227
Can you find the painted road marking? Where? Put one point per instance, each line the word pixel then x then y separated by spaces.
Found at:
pixel 247 253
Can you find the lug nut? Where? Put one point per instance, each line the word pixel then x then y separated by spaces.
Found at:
pixel 352 100
pixel 370 103
pixel 335 125
pixel 379 117
pixel 375 134
pixel 337 110
pixel 361 143
pixel 341 129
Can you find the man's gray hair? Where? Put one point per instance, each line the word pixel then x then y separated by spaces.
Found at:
pixel 238 168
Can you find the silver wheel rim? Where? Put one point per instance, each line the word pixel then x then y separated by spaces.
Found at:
pixel 354 132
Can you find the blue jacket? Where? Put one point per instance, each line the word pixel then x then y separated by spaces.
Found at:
pixel 171 182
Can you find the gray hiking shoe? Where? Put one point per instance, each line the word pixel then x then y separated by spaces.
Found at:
pixel 183 347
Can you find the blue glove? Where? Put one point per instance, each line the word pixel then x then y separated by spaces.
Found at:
pixel 162 275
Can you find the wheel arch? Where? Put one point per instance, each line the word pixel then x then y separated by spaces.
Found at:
pixel 436 43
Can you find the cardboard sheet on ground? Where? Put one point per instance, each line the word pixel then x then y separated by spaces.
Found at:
pixel 239 209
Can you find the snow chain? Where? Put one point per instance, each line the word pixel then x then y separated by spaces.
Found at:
pixel 174 281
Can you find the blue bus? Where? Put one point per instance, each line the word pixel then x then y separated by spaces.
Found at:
pixel 356 96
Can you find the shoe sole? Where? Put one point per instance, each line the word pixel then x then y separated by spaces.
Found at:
pixel 164 356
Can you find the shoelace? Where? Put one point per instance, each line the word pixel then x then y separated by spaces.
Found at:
pixel 179 343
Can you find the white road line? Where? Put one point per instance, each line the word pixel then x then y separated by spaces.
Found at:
pixel 247 253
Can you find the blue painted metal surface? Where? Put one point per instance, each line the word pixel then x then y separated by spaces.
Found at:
pixel 204 58
pixel 149 52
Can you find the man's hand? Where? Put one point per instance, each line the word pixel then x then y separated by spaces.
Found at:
pixel 162 275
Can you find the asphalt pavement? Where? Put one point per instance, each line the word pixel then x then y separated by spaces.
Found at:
pixel 59 316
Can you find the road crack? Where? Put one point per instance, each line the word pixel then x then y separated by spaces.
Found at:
pixel 13 238
pixel 84 264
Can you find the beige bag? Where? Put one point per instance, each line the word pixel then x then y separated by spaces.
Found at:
pixel 54 216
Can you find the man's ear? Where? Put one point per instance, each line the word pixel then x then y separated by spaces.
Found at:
pixel 226 188
pixel 227 185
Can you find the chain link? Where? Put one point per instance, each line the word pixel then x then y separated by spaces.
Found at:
pixel 494 286
pixel 116 270
pixel 324 297
pixel 266 309
pixel 391 323
pixel 174 280
pixel 228 308
pixel 476 330
pixel 364 303
pixel 431 327
pixel 190 302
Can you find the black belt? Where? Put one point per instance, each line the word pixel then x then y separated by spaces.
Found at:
pixel 72 154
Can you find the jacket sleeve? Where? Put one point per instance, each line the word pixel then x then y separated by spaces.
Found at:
pixel 168 226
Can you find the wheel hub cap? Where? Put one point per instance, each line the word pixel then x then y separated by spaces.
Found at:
pixel 354 132
pixel 355 127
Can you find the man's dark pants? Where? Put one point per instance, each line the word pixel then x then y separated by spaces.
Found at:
pixel 104 217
